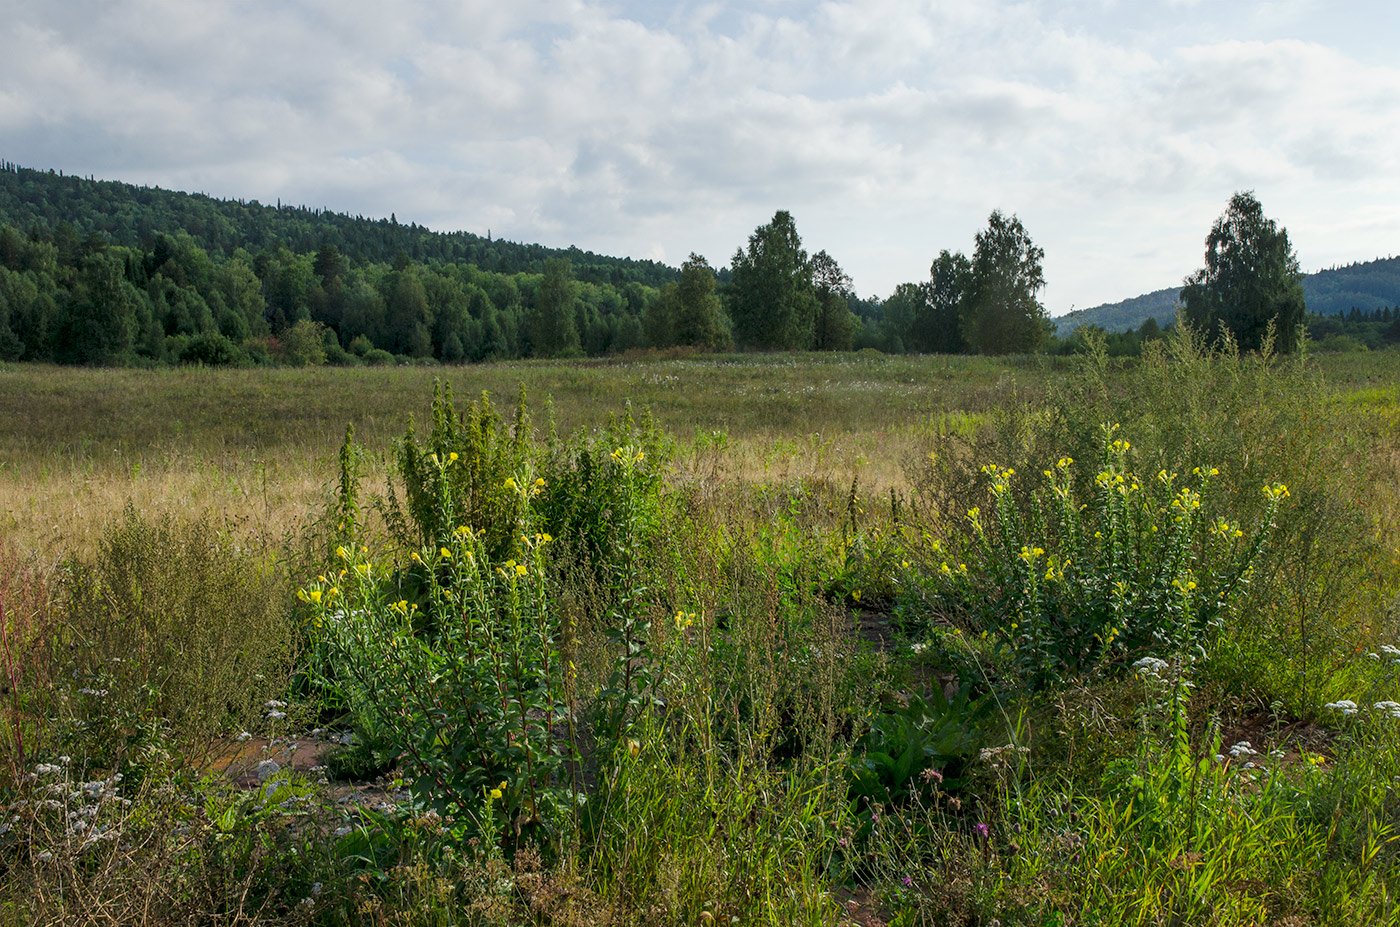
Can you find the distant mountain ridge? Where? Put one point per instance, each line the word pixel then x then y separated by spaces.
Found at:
pixel 130 215
pixel 1366 286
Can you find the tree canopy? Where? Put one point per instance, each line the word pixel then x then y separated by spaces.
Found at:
pixel 1251 279
pixel 1000 311
pixel 772 302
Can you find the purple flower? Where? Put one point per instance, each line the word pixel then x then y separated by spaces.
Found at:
pixel 983 831
pixel 907 881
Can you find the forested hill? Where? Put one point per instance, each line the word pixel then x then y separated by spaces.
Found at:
pixel 1365 287
pixel 131 216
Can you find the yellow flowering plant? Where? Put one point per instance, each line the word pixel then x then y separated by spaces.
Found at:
pixel 467 688
pixel 1145 565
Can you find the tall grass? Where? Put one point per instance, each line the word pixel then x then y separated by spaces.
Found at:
pixel 714 665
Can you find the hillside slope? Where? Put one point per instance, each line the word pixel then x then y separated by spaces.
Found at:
pixel 129 215
pixel 1364 286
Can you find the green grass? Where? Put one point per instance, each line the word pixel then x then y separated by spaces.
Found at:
pixel 716 694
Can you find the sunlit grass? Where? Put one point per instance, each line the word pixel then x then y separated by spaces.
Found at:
pixel 741 689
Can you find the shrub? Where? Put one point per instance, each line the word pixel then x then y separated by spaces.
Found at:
pixel 212 350
pixel 172 629
pixel 469 687
pixel 1149 566
pixel 27 625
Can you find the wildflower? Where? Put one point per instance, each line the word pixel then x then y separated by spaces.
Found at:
pixel 1390 708
pixel 48 769
pixel 982 830
pixel 634 747
pixel 520 569
pixel 1150 666
pixel 445 553
pixel 451 458
pixel 1276 492
pixel 509 483
pixel 242 736
pixel 315 596
pixel 1243 748
pixel 495 794
pixel 1346 706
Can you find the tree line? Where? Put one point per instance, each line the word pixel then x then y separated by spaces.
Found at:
pixel 76 298
pixel 97 275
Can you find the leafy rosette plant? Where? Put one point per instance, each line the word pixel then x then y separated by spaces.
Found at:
pixel 1070 587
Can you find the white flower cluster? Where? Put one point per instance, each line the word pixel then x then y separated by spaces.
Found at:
pixel 274 710
pixel 84 804
pixel 1388 651
pixel 1150 666
pixel 1348 708
pixel 1003 755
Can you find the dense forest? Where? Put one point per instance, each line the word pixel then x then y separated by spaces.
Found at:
pixel 132 216
pixel 102 272
pixel 105 272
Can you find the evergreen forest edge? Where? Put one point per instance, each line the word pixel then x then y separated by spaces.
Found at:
pixel 101 272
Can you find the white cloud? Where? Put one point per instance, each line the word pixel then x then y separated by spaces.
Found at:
pixel 890 128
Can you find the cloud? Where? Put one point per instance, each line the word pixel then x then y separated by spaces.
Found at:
pixel 890 128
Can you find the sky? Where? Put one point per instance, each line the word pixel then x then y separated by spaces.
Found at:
pixel 1115 130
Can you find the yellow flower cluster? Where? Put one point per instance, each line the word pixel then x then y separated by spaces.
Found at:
pixel 625 455
pixel 1001 478
pixel 1186 500
pixel 1223 529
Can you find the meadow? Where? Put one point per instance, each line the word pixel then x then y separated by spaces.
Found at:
pixel 680 639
